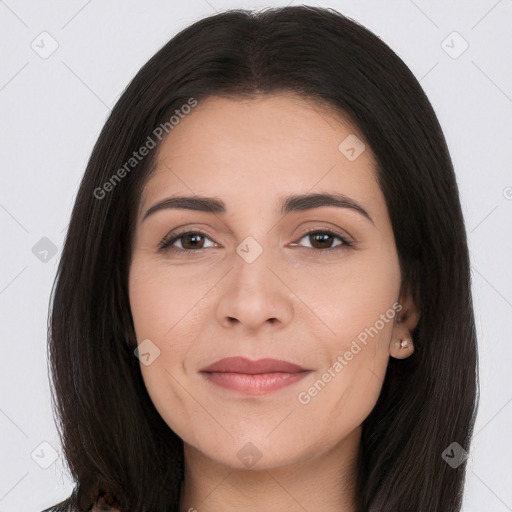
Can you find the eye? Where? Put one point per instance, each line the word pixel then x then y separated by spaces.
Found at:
pixel 192 241
pixel 189 240
pixel 323 239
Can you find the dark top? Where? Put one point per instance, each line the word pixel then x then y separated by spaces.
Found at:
pixel 101 505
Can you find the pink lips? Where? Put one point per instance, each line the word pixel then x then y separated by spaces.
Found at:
pixel 253 377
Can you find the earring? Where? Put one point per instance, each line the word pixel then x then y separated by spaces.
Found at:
pixel 405 343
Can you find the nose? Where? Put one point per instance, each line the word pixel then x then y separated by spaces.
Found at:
pixel 254 295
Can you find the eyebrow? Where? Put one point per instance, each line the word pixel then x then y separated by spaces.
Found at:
pixel 293 203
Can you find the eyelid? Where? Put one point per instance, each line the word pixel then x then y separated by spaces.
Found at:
pixel 166 244
pixel 173 236
pixel 347 240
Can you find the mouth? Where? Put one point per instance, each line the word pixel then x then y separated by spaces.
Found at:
pixel 253 377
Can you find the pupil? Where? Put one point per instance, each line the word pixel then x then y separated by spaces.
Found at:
pixel 193 236
pixel 325 238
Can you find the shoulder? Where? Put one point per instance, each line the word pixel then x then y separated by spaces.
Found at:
pixel 100 506
pixel 55 508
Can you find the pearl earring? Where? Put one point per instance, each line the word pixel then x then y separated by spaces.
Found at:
pixel 404 344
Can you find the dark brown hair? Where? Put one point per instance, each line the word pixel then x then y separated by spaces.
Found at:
pixel 113 438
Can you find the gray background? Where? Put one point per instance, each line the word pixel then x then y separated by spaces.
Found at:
pixel 54 105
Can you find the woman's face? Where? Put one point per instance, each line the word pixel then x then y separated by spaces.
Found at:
pixel 304 281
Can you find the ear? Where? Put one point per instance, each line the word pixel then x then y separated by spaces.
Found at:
pixel 406 320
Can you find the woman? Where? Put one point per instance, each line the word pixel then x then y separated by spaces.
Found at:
pixel 264 297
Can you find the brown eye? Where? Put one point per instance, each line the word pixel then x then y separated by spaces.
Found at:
pixel 192 241
pixel 321 240
pixel 189 240
pixel 325 239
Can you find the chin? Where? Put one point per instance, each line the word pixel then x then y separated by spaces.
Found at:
pixel 259 451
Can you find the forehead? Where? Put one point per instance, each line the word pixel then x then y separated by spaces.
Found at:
pixel 261 149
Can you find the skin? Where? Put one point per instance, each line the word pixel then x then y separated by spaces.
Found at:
pixel 295 301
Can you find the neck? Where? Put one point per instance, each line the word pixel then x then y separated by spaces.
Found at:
pixel 324 482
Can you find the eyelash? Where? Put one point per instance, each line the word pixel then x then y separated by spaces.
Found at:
pixel 166 244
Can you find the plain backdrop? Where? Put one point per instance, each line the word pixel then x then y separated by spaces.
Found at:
pixel 65 64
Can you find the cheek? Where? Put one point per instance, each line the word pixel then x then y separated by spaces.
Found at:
pixel 160 314
pixel 348 387
pixel 156 310
pixel 348 298
pixel 355 310
pixel 159 303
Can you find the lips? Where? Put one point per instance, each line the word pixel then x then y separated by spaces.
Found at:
pixel 243 365
pixel 253 377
